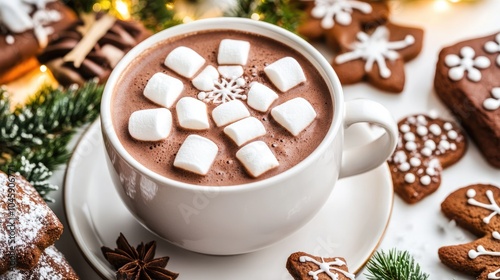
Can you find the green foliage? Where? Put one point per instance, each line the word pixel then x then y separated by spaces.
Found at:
pixel 155 15
pixel 284 13
pixel 34 137
pixel 394 265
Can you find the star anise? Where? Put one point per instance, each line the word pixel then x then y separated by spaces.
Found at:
pixel 137 263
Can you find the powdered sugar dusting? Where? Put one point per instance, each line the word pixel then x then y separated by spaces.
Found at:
pixel 52 265
pixel 25 217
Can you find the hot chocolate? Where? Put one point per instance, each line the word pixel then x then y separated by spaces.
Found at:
pixel 290 118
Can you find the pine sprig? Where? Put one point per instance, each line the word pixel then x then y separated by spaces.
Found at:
pixel 284 13
pixel 34 137
pixel 394 265
pixel 155 15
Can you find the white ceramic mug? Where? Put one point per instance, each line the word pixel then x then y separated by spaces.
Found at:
pixel 244 218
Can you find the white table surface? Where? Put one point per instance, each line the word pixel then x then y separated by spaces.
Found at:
pixel 421 228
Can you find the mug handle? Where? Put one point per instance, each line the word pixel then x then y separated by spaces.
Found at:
pixel 366 157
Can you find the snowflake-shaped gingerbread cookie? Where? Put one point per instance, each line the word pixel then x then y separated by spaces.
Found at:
pixel 303 266
pixel 426 145
pixel 231 94
pixel 340 20
pixel 477 209
pixel 378 57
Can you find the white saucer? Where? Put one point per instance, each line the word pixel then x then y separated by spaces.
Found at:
pixel 351 224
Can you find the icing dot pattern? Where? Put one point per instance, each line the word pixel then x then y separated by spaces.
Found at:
pixel 424 147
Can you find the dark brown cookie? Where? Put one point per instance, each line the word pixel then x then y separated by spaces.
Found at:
pixel 339 21
pixel 477 209
pixel 103 55
pixel 52 265
pixel 425 146
pixel 378 56
pixel 467 82
pixel 304 266
pixel 29 225
pixel 25 29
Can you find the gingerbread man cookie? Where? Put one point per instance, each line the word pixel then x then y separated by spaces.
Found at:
pixel 467 82
pixel 426 145
pixel 304 266
pixel 378 56
pixel 477 209
pixel 340 20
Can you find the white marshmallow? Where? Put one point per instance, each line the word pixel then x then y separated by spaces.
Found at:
pixel 163 89
pixel 196 154
pixel 150 124
pixel 230 72
pixel 192 114
pixel 229 112
pixel 233 52
pixel 184 61
pixel 294 115
pixel 245 130
pixel 285 73
pixel 205 80
pixel 257 158
pixel 260 97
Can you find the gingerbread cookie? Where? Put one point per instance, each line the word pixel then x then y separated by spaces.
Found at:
pixel 52 265
pixel 467 82
pixel 378 56
pixel 83 51
pixel 28 224
pixel 339 21
pixel 26 27
pixel 304 266
pixel 477 209
pixel 426 145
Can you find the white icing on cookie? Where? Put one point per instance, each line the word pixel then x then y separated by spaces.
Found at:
pixel 329 268
pixel 20 16
pixel 481 251
pixel 493 103
pixel 493 206
pixel 340 11
pixel 494 47
pixel 375 48
pixel 466 62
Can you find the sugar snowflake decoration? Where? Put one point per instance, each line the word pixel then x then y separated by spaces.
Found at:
pixel 329 268
pixel 493 206
pixel 224 90
pixel 494 47
pixel 467 61
pixel 375 48
pixel 493 103
pixel 337 10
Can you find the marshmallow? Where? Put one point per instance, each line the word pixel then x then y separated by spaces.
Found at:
pixel 163 89
pixel 245 130
pixel 260 97
pixel 285 73
pixel 230 72
pixel 229 112
pixel 257 158
pixel 192 114
pixel 184 61
pixel 196 154
pixel 233 52
pixel 294 115
pixel 205 80
pixel 150 124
